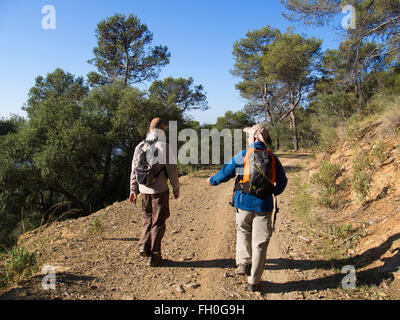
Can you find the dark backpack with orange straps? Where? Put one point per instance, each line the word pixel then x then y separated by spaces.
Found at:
pixel 259 173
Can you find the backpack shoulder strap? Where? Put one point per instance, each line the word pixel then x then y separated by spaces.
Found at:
pixel 273 178
pixel 152 141
pixel 246 165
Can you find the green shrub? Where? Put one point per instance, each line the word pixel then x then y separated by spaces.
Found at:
pixel 19 265
pixel 328 139
pixel 96 227
pixel 362 175
pixel 326 179
pixel 345 236
pixel 380 151
pixel 303 201
pixel 373 107
pixel 361 184
pixel 393 118
pixel 3 277
pixel 343 231
pixel 326 175
pixel 353 126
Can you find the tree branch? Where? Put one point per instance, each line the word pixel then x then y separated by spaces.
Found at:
pixel 379 27
pixel 293 107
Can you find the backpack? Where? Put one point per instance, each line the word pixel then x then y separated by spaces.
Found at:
pixel 146 170
pixel 259 173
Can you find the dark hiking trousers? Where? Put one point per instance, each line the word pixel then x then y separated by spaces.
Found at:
pixel 155 213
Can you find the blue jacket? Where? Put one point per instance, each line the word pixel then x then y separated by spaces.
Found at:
pixel 243 200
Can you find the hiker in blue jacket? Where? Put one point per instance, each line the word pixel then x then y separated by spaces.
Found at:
pixel 253 214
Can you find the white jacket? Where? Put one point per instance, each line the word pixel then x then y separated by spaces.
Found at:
pixel 165 158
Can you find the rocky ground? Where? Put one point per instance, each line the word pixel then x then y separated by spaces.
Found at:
pixel 96 257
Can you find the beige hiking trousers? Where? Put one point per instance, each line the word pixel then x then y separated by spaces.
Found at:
pixel 253 232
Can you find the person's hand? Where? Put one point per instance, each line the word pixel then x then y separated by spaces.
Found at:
pixel 176 194
pixel 132 198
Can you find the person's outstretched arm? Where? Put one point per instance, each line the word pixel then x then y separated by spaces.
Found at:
pixel 228 171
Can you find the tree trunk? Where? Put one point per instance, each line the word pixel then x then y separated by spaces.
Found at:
pixel 268 113
pixel 294 131
pixel 75 202
pixel 106 175
pixel 127 175
pixel 360 94
pixel 22 220
pixel 126 67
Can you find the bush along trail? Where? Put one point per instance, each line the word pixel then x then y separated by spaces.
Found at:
pixel 96 257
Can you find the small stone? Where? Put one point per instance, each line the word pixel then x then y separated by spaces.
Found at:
pixel 192 285
pixel 180 289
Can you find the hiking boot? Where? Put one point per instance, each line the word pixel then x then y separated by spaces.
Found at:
pixel 243 269
pixel 143 252
pixel 253 287
pixel 155 260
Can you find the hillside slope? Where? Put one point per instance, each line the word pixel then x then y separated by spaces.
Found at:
pixel 96 257
pixel 368 194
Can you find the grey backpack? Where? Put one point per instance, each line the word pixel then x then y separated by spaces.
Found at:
pixel 146 170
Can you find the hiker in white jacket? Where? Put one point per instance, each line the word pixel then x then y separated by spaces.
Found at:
pixel 155 196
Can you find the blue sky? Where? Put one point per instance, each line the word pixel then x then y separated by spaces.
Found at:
pixel 199 35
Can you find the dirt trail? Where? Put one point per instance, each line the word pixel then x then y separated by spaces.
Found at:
pixel 275 248
pixel 199 248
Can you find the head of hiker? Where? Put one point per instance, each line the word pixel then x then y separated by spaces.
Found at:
pixel 258 133
pixel 157 127
pixel 157 123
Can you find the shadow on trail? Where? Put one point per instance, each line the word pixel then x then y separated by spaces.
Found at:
pixel 121 239
pixel 372 276
pixel 294 155
pixel 31 289
pixel 217 263
pixel 290 169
